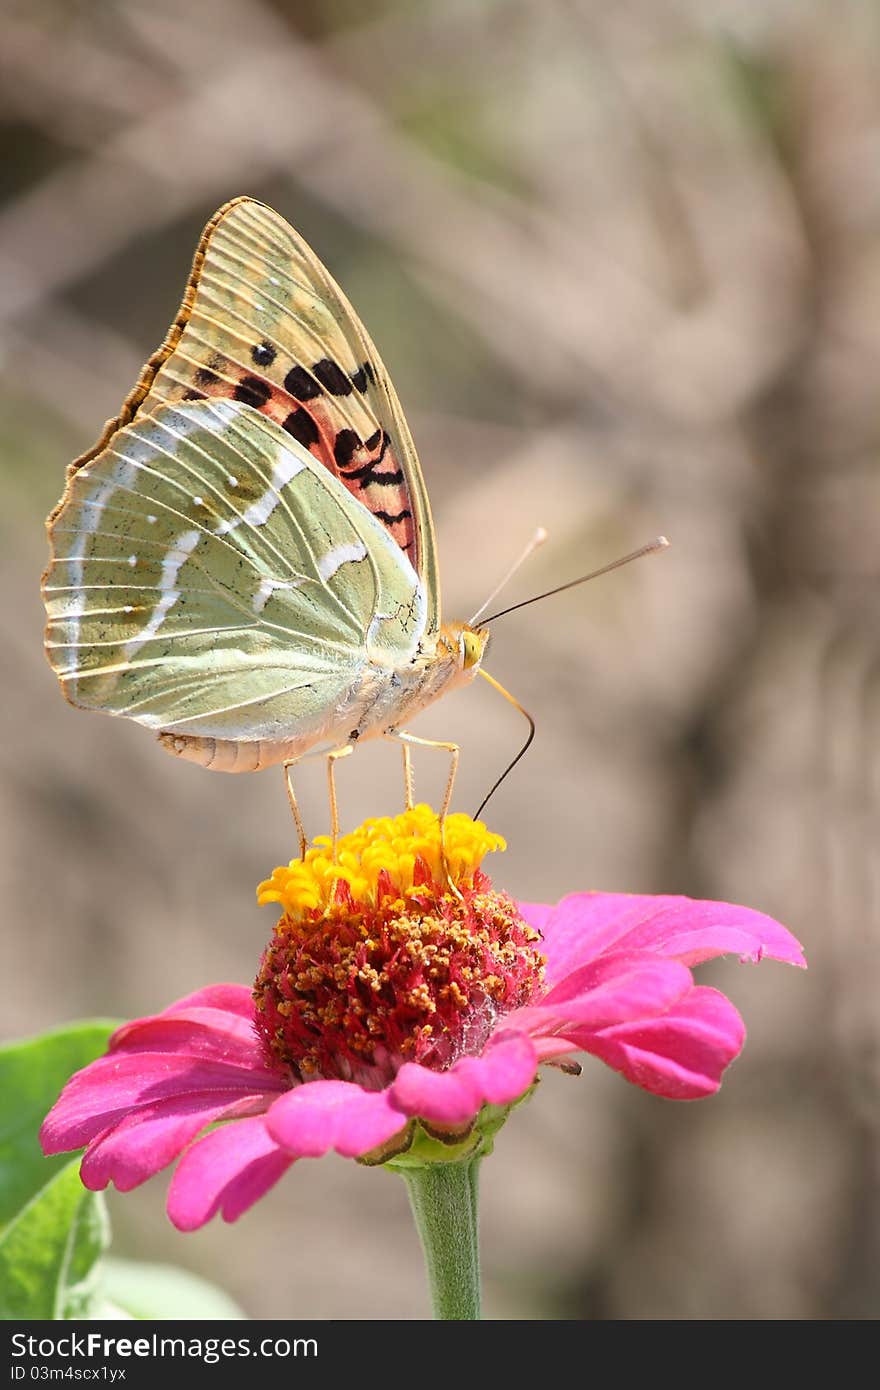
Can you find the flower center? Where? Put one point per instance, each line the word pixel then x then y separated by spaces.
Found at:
pixel 378 960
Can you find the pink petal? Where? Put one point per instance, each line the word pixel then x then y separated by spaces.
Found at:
pixel 503 1073
pixel 586 925
pixel 680 1055
pixel 147 1140
pixel 104 1092
pixel 323 1115
pixel 202 1052
pixel 227 1171
pixel 614 989
pixel 231 999
pixel 193 1032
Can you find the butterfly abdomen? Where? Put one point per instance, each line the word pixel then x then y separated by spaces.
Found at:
pixel 226 755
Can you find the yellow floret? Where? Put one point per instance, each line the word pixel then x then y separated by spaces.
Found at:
pixel 392 843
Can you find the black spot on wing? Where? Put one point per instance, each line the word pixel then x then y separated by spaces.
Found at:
pixel 367 471
pixel 301 384
pixel 205 377
pixel 264 354
pixel 252 390
pixel 362 378
pixel 347 441
pixel 332 377
pixel 392 520
pixel 370 478
pixel 300 424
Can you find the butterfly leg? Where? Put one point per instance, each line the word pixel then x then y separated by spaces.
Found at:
pixel 294 806
pixel 408 740
pixel 332 757
pixel 408 785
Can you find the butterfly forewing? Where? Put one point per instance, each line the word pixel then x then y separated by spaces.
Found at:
pixel 263 323
pixel 209 576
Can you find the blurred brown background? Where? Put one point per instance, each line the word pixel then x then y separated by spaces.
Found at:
pixel 623 263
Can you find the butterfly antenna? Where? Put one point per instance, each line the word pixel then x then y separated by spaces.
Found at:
pixel 659 543
pixel 524 712
pixel 537 539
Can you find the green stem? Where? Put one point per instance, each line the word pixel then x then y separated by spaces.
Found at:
pixel 443 1197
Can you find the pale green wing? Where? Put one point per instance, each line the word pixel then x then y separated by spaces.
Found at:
pixel 209 576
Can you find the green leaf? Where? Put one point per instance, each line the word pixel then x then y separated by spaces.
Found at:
pixel 49 1251
pixel 31 1075
pixel 154 1291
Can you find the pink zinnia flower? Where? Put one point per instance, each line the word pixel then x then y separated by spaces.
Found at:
pixel 400 997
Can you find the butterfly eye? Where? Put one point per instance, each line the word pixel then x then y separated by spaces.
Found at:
pixel 472 646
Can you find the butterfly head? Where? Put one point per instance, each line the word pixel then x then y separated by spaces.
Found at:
pixel 460 649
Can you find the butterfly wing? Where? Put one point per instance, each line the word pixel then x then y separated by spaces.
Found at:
pixel 210 577
pixel 264 323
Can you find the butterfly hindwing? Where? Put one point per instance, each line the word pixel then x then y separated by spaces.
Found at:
pixel 209 576
pixel 263 323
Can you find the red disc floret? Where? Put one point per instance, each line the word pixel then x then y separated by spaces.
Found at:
pixel 355 991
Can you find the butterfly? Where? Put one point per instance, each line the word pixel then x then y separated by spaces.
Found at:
pixel 245 562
